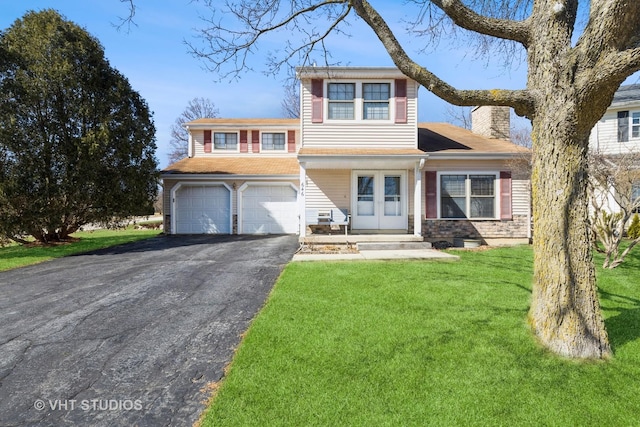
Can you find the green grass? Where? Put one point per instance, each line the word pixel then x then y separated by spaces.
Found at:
pixel 18 255
pixel 425 343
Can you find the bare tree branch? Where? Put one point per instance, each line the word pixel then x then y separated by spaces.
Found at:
pixel 197 108
pixel 520 100
pixel 502 28
pixel 226 45
pixel 127 20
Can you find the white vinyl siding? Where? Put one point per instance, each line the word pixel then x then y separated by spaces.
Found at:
pixel 328 189
pixel 361 133
pixel 604 135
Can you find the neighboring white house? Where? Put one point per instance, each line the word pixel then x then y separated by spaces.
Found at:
pixel 617 136
pixel 358 154
pixel 618 131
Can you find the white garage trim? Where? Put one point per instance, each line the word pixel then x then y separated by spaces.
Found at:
pixel 291 228
pixel 179 185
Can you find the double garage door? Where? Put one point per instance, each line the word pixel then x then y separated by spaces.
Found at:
pixel 262 209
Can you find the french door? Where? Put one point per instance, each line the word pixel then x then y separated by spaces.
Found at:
pixel 379 200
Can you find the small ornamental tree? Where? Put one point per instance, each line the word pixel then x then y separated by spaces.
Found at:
pixel 612 182
pixel 77 143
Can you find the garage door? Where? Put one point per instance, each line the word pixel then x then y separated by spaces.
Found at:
pixel 203 209
pixel 269 209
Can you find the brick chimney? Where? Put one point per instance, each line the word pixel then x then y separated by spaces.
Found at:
pixel 491 121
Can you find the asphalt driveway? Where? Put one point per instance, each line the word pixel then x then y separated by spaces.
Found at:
pixel 132 335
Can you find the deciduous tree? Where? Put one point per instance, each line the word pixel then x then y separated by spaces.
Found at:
pixel 197 108
pixel 77 143
pixel 574 68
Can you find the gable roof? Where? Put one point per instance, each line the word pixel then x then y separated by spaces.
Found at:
pixel 444 139
pixel 235 166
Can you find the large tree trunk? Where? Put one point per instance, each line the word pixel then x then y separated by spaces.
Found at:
pixel 565 311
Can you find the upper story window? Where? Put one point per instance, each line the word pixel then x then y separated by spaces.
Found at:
pixel 273 141
pixel 376 101
pixel 341 100
pixel 225 141
pixel 467 196
pixel 384 101
pixel 628 120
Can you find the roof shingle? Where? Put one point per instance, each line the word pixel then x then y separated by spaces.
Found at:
pixel 235 166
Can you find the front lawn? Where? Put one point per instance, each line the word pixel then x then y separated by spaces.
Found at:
pixel 18 255
pixel 425 343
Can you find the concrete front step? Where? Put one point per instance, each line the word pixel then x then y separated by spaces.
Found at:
pixel 392 246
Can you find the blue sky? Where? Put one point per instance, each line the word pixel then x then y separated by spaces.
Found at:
pixel 153 56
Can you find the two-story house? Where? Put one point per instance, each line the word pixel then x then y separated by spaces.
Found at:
pixel 359 150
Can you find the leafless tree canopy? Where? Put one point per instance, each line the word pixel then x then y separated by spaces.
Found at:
pixel 198 108
pixel 291 101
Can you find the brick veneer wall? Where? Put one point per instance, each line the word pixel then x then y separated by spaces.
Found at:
pixel 439 229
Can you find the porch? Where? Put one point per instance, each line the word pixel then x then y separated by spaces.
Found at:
pixel 354 238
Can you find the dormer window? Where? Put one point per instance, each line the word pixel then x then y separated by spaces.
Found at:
pixel 225 141
pixel 341 101
pixel 376 101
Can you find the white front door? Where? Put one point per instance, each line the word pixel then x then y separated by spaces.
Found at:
pixel 380 200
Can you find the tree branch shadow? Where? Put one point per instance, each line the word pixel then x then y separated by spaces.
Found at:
pixel 623 327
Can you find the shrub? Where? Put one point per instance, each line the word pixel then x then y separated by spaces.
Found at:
pixel 634 228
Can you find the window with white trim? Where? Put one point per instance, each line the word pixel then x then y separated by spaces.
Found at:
pixel 375 97
pixel 468 196
pixel 273 141
pixel 628 125
pixel 635 124
pixel 225 141
pixel 635 195
pixel 342 101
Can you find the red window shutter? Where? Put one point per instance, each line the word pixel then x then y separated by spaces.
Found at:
pixel 505 195
pixel 431 194
pixel 317 102
pixel 207 141
pixel 401 101
pixel 255 141
pixel 244 147
pixel 291 141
